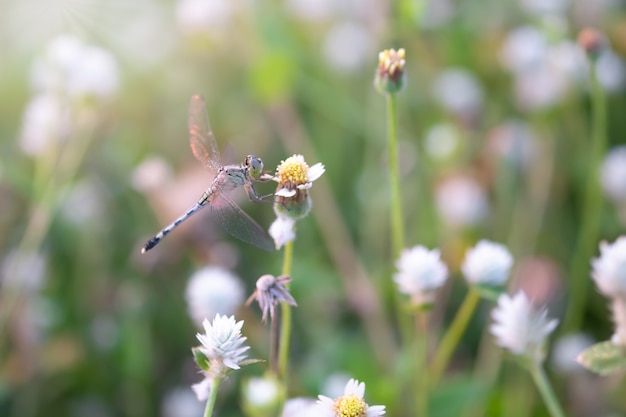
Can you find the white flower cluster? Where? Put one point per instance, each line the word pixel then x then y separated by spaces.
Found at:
pixel 222 345
pixel 487 263
pixel 609 274
pixel 520 328
pixel 68 70
pixel 212 291
pixel 420 273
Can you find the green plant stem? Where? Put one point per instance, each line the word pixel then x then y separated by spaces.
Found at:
pixel 285 327
pixel 592 208
pixel 397 229
pixel 546 391
pixel 422 375
pixel 210 404
pixel 452 337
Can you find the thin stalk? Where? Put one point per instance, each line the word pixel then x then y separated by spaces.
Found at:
pixel 285 327
pixel 452 337
pixel 592 207
pixel 422 375
pixel 397 229
pixel 546 391
pixel 210 404
pixel 274 338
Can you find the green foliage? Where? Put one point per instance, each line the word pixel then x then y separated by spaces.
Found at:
pixel 604 358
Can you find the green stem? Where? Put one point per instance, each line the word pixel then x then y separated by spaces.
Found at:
pixel 546 391
pixel 397 229
pixel 285 327
pixel 452 337
pixel 210 404
pixel 592 207
pixel 421 385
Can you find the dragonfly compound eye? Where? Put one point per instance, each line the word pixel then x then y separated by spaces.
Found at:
pixel 255 165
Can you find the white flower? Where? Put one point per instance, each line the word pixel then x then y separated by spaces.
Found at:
pixel 261 392
pixel 609 270
pixel 348 46
pixel 520 328
pixel 222 341
pixel 614 174
pixel 295 177
pixel 151 174
pixel 351 404
pixel 222 345
pixel 300 407
pixel 194 16
pixel 487 263
pixel 72 67
pixel 441 141
pixel 458 91
pixel 282 230
pixel 295 174
pixel 420 273
pixel 461 201
pixel 213 290
pixel 46 121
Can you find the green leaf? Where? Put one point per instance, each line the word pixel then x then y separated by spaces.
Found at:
pixel 603 358
pixel 201 360
pixel 489 292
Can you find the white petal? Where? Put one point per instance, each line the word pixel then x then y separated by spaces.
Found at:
pixel 376 411
pixel 316 171
pixel 202 389
pixel 285 192
pixel 282 231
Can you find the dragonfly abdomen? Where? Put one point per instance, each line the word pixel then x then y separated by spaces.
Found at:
pixel 166 230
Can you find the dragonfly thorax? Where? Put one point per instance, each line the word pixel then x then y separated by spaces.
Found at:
pixel 254 166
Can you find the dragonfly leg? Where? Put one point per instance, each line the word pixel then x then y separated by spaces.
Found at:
pixel 255 197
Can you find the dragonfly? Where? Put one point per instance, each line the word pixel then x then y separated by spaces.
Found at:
pixel 223 209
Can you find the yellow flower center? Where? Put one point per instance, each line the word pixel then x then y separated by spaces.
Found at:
pixel 350 406
pixel 293 170
pixel 392 61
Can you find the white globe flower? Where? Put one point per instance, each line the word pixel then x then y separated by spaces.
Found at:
pixel 212 291
pixel 609 269
pixel 420 273
pixel 520 328
pixel 487 263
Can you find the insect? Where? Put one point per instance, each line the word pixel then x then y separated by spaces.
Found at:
pixel 224 210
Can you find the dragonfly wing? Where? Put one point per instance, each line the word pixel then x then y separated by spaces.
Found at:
pixel 201 137
pixel 236 222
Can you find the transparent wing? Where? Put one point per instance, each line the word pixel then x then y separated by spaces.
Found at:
pixel 236 222
pixel 201 137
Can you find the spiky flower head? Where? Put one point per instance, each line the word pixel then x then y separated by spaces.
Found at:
pixel 350 404
pixel 609 269
pixel 295 178
pixel 270 291
pixel 390 72
pixel 521 328
pixel 222 351
pixel 609 273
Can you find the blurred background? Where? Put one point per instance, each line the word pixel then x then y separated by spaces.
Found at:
pixel 494 144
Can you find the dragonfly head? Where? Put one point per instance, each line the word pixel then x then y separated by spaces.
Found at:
pixel 254 165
